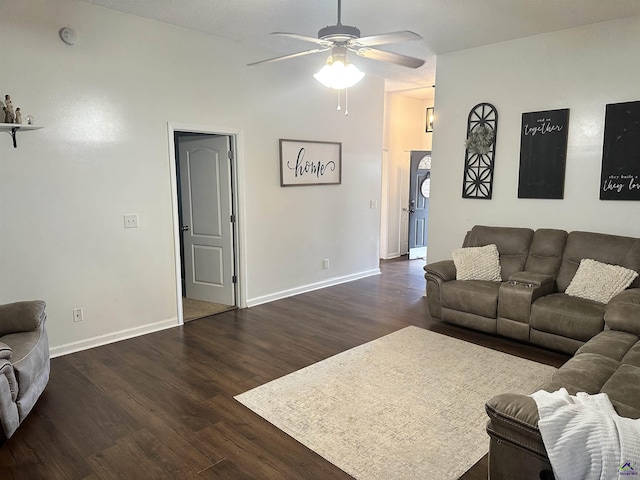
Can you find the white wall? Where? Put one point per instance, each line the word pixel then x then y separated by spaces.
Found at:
pixel 404 130
pixel 582 69
pixel 105 104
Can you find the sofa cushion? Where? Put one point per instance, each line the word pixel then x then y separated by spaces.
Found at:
pixel 623 388
pixel 611 344
pixel 623 311
pixel 611 249
pixel 545 253
pixel 567 316
pixel 513 245
pixel 599 281
pixel 479 297
pixel 587 372
pixel 632 357
pixel 477 263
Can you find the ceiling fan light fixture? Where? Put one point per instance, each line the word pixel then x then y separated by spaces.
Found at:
pixel 339 74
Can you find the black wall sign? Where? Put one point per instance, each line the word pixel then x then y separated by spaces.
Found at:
pixel 620 179
pixel 543 154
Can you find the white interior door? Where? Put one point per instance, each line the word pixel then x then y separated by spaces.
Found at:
pixel 207 229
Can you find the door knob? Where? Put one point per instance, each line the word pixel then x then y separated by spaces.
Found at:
pixel 185 228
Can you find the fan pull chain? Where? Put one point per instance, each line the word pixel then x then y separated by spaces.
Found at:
pixel 346 102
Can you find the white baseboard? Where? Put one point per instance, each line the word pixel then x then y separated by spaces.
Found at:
pixel 252 302
pixel 111 337
pixel 173 322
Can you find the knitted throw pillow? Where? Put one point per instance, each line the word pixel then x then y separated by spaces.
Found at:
pixel 477 263
pixel 599 281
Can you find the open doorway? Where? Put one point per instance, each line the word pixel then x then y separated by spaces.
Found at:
pixel 404 131
pixel 205 220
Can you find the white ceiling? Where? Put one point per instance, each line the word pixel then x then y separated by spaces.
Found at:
pixel 445 25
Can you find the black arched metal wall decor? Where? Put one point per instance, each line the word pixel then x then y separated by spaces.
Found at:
pixel 482 129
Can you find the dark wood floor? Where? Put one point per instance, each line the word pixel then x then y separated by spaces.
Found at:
pixel 161 406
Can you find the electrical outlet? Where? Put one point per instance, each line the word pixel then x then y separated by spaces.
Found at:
pixel 131 220
pixel 325 263
pixel 77 315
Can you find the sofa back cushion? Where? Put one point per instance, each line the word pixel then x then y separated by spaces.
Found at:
pixel 611 249
pixel 623 313
pixel 545 253
pixel 513 245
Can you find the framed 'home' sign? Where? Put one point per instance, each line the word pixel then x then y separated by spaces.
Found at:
pixel 620 178
pixel 307 162
pixel 543 154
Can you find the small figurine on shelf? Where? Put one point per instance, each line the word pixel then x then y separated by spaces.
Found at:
pixel 30 119
pixel 9 114
pixel 18 115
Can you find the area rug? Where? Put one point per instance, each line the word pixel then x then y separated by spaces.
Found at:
pixel 409 405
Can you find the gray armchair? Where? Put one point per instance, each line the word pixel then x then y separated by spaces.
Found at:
pixel 24 361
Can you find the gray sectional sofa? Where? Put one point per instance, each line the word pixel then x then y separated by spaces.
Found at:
pixel 531 305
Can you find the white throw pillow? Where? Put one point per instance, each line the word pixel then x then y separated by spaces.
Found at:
pixel 477 263
pixel 599 281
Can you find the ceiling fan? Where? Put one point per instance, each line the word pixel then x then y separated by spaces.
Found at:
pixel 341 38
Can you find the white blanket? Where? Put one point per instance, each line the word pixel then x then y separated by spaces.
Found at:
pixel 586 439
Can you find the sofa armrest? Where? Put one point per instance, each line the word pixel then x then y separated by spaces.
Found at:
pixel 516 449
pixel 623 312
pixel 21 316
pixel 6 371
pixel 444 270
pixel 532 279
pixel 437 274
pixel 514 418
pixel 5 351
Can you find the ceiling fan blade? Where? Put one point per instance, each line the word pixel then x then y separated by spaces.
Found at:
pixel 291 55
pixel 319 41
pixel 383 56
pixel 383 38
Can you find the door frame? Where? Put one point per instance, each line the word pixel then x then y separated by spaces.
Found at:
pixel 238 197
pixel 417 194
pixel 384 206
